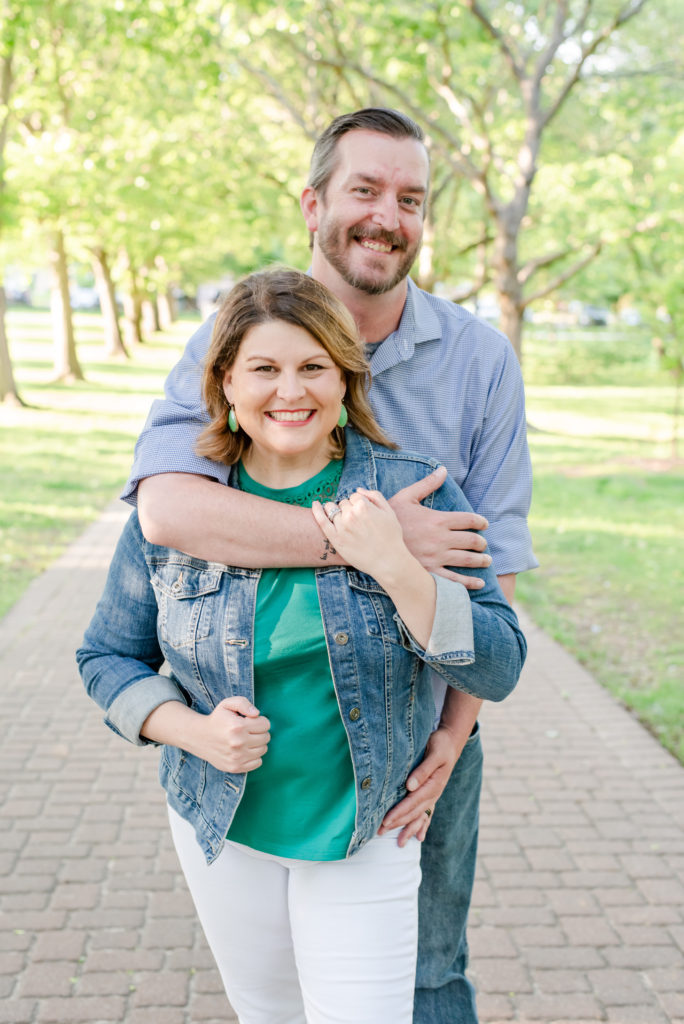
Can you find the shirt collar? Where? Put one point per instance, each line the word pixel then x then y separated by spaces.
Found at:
pixel 418 323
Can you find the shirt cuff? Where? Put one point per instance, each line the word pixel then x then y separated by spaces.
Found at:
pixel 510 545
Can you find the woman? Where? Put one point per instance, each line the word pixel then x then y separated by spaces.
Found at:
pixel 298 701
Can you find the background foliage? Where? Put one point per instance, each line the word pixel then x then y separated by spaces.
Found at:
pixel 167 142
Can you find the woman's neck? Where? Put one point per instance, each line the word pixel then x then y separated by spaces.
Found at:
pixel 278 472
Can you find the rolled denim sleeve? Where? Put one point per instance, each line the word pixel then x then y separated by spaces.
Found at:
pixel 120 655
pixel 128 712
pixel 451 639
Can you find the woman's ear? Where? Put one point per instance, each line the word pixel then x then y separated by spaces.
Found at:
pixel 228 386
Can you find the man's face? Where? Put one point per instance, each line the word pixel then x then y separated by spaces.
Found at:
pixel 368 224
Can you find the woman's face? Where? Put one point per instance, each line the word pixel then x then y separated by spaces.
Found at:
pixel 287 393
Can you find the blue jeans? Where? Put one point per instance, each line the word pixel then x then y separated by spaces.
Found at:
pixel 443 993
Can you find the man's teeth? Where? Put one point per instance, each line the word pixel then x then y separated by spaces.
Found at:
pixel 290 417
pixel 372 243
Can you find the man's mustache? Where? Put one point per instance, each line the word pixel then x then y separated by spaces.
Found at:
pixel 378 235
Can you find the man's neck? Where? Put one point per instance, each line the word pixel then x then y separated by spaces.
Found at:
pixel 376 316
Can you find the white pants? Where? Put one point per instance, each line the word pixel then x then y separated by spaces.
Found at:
pixel 309 942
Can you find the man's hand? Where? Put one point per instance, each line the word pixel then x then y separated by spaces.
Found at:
pixel 425 785
pixel 439 539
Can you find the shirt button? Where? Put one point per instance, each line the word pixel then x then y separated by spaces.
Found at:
pixel 366 783
pixel 341 639
pixel 354 714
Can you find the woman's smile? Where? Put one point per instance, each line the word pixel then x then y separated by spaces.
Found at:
pixel 291 417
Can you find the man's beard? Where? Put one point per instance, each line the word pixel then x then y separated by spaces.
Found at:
pixel 328 236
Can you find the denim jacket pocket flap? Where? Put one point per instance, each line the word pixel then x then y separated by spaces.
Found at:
pixel 360 581
pixel 180 581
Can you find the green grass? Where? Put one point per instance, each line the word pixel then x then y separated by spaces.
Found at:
pixel 69 452
pixel 608 525
pixel 607 515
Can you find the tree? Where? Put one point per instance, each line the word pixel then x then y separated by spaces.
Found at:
pixel 492 83
pixel 8 388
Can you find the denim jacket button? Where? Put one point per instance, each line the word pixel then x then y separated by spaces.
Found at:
pixel 341 639
pixel 366 784
pixel 354 714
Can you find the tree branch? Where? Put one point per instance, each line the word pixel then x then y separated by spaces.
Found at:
pixel 628 12
pixel 452 148
pixel 530 268
pixel 561 278
pixel 278 94
pixel 517 69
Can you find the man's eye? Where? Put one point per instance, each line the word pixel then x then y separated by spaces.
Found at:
pixel 410 201
pixel 362 190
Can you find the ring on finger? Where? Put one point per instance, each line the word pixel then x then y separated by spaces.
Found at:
pixel 331 510
pixel 428 811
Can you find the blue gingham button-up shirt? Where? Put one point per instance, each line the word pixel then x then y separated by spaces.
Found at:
pixel 445 384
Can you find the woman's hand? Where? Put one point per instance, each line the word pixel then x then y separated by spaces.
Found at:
pixel 364 530
pixel 368 535
pixel 234 737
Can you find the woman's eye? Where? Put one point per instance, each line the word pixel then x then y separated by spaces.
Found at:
pixel 313 366
pixel 264 369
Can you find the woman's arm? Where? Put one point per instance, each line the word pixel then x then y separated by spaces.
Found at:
pixel 437 619
pixel 233 738
pixel 119 659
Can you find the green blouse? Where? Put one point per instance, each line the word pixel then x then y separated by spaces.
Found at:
pixel 301 802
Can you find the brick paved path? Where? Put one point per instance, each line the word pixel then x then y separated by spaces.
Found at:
pixel 579 905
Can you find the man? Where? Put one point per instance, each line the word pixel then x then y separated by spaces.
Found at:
pixel 444 384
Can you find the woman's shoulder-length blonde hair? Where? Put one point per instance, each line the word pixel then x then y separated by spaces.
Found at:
pixel 280 293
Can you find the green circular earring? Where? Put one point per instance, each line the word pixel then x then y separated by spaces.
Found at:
pixel 343 417
pixel 232 420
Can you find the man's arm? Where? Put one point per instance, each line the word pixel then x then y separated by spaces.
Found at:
pixel 220 524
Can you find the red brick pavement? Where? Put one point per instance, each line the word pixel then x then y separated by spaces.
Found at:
pixel 578 913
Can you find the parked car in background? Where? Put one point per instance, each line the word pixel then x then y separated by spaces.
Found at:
pixel 589 315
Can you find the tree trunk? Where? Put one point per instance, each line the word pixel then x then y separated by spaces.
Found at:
pixel 509 291
pixel 166 309
pixel 426 269
pixel 166 303
pixel 114 346
pixel 676 412
pixel 132 304
pixel 67 367
pixel 8 389
pixel 132 321
pixel 150 316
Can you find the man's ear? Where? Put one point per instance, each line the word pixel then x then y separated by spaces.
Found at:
pixel 309 207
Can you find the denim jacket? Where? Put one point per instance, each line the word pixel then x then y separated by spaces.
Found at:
pixel 162 605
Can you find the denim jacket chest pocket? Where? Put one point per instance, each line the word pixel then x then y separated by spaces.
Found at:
pixel 376 607
pixel 184 594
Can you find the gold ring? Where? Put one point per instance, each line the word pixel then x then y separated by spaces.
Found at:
pixel 428 811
